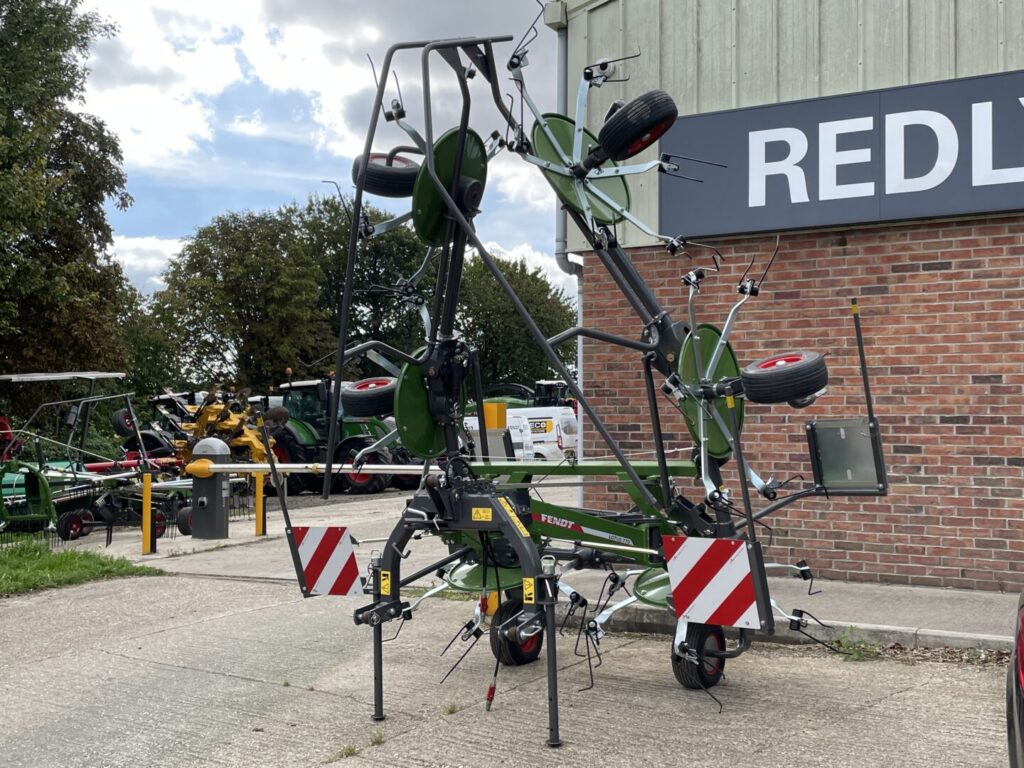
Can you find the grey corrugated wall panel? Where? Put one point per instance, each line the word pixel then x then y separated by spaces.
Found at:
pixel 721 54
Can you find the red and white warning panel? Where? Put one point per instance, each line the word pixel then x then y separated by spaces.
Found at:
pixel 713 581
pixel 328 561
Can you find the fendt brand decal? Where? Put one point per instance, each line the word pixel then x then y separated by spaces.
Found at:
pixel 913 152
pixel 569 525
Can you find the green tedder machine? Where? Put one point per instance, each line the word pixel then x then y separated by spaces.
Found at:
pixel 698 558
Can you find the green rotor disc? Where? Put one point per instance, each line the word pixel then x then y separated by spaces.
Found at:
pixel 416 428
pixel 718 442
pixel 614 187
pixel 429 209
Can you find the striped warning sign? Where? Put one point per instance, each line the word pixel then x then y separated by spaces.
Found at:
pixel 328 562
pixel 711 581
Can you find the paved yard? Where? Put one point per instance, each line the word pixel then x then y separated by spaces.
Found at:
pixel 195 671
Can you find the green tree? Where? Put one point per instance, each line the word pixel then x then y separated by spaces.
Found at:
pixel 242 299
pixel 507 351
pixel 64 298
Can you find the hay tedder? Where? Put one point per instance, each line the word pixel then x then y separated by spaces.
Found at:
pixel 698 558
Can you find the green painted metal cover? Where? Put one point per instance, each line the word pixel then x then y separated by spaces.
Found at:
pixel 653 588
pixel 429 209
pixel 468 577
pixel 416 428
pixel 718 443
pixel 614 187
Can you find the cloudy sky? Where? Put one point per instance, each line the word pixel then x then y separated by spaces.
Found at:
pixel 248 104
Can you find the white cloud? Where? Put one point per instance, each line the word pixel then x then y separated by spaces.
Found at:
pixel 248 125
pixel 521 183
pixel 534 259
pixel 145 258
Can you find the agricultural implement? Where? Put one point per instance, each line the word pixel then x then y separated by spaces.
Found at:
pixel 698 558
pixel 54 483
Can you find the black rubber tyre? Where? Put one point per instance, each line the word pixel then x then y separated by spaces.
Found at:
pixel 365 483
pixel 505 651
pixel 159 524
pixel 122 423
pixel 183 519
pixel 69 526
pixel 395 180
pixel 88 520
pixel 707 672
pixel 370 397
pixel 634 127
pixel 401 455
pixel 784 377
pixel 288 449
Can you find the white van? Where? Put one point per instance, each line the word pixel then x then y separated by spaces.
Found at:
pixel 553 429
pixel 519 429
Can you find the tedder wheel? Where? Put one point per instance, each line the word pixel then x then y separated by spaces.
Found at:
pixel 159 524
pixel 708 671
pixel 394 180
pixel 87 522
pixel 122 423
pixel 632 128
pixel 504 650
pixel 370 397
pixel 401 455
pixel 364 482
pixel 69 526
pixel 183 518
pixel 784 377
pixel 284 454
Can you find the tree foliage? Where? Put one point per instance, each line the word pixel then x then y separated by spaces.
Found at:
pixel 64 299
pixel 508 352
pixel 254 293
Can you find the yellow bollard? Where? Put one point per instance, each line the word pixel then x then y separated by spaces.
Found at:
pixel 261 509
pixel 147 514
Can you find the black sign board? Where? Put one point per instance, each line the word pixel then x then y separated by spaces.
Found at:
pixel 941 149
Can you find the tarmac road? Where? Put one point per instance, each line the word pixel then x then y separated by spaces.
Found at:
pixel 199 671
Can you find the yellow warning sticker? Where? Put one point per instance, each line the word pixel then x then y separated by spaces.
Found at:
pixel 385 583
pixel 529 592
pixel 481 514
pixel 515 518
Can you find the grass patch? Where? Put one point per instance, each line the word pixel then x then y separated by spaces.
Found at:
pixel 857 648
pixel 376 738
pixel 450 709
pixel 32 565
pixel 349 750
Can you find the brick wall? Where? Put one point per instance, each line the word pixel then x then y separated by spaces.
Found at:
pixel 943 314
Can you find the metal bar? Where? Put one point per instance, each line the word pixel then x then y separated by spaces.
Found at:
pixel 315 468
pixel 724 337
pixel 591 333
pixel 481 412
pixel 148 539
pixel 855 309
pixel 748 511
pixel 458 555
pixel 659 442
pixel 260 504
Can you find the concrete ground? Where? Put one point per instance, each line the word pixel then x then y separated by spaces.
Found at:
pixel 221 663
pixel 193 671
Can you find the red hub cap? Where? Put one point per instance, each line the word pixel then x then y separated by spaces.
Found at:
pixel 650 137
pixel 365 384
pixel 530 644
pixel 380 158
pixel 780 360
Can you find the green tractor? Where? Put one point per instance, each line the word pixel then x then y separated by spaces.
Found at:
pixel 301 435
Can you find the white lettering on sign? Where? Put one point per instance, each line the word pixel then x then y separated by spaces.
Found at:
pixel 982 172
pixel 894 126
pixel 830 157
pixel 761 169
pixel 896 180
